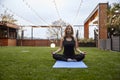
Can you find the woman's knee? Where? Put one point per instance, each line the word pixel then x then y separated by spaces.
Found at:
pixel 54 56
pixel 80 57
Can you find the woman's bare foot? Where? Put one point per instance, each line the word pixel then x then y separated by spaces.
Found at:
pixel 71 60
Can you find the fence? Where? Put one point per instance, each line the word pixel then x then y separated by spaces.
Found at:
pixel 29 42
pixel 110 44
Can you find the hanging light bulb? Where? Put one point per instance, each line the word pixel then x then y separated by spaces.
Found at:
pixel 52 45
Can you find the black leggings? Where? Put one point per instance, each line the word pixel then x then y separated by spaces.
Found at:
pixel 62 57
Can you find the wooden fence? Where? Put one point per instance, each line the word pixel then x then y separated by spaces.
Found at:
pixel 29 42
pixel 110 44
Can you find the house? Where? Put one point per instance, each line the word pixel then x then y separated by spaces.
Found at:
pixel 8 33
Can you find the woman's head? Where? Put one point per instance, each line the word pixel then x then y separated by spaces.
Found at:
pixel 69 31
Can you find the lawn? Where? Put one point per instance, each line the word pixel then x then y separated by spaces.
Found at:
pixel 35 63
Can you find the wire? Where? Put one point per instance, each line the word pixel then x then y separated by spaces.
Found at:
pixel 57 9
pixel 78 11
pixel 26 3
pixel 3 6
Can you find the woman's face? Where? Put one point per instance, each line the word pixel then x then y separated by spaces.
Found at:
pixel 69 30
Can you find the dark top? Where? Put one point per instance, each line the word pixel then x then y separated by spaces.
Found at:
pixel 69 48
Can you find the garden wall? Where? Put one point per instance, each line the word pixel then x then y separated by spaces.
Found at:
pixel 29 42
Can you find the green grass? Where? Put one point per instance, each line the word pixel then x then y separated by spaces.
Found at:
pixel 37 65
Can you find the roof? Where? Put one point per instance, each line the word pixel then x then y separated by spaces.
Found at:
pixel 7 24
pixel 93 12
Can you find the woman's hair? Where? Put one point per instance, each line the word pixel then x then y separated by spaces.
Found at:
pixel 66 30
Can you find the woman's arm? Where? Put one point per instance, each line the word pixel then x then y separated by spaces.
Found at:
pixel 76 46
pixel 60 48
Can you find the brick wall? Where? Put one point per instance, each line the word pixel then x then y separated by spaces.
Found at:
pixel 7 42
pixel 28 42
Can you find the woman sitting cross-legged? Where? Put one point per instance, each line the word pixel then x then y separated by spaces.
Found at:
pixel 70 45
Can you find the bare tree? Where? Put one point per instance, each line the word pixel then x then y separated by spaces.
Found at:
pixel 5 17
pixel 56 30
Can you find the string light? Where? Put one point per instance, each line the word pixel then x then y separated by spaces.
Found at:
pixel 3 6
pixel 77 11
pixel 56 9
pixel 34 11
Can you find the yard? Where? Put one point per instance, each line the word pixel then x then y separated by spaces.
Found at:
pixel 35 63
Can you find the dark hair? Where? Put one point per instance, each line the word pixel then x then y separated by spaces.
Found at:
pixel 66 30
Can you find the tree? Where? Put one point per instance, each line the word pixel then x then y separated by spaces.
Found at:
pixel 5 17
pixel 56 30
pixel 113 21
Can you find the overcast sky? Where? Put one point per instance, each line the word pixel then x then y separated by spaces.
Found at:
pixel 44 12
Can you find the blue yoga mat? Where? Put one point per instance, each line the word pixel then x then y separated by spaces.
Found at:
pixel 64 64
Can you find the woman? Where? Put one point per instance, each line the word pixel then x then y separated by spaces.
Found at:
pixel 70 45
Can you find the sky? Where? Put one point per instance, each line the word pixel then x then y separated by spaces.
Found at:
pixel 44 12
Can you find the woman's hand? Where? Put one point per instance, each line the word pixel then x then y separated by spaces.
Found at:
pixel 52 52
pixel 83 53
